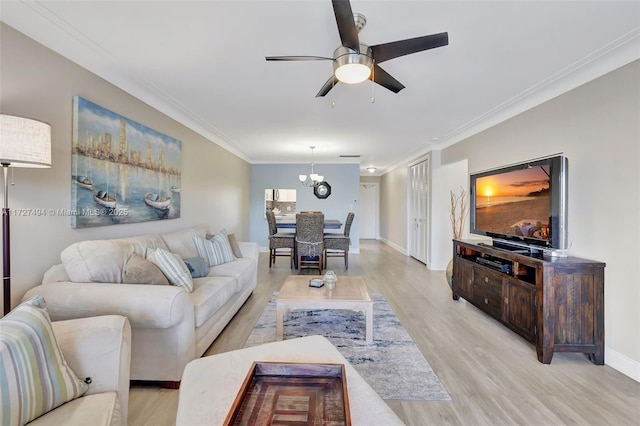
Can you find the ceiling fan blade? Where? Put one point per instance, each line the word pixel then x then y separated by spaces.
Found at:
pixel 384 79
pixel 386 51
pixel 346 24
pixel 297 58
pixel 327 86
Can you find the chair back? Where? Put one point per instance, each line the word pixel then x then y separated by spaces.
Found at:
pixel 271 221
pixel 348 222
pixel 310 234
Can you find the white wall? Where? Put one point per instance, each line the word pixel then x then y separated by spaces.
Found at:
pixel 40 84
pixel 445 178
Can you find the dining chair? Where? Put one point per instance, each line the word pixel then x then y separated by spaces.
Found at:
pixel 280 243
pixel 309 241
pixel 337 245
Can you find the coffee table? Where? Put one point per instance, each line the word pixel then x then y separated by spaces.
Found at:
pixel 350 293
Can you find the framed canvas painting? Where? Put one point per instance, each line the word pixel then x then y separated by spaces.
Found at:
pixel 121 170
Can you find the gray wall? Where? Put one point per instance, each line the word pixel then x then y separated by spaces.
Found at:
pixel 343 178
pixel 597 126
pixel 40 84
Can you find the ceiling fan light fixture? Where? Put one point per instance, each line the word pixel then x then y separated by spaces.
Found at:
pixel 353 73
pixel 352 67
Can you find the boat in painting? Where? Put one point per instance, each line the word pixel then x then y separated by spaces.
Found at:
pixel 104 199
pixel 83 182
pixel 156 201
pixel 175 189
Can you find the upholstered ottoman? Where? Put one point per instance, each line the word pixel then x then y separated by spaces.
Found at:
pixel 210 384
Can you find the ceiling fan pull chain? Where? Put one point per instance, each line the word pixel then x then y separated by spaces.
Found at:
pixel 373 82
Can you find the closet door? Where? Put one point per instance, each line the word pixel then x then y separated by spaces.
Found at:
pixel 418 210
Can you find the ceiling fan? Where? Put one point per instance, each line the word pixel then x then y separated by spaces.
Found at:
pixel 354 62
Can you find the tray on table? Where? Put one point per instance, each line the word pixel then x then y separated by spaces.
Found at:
pixel 292 393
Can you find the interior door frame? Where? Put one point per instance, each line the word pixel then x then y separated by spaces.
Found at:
pixel 376 185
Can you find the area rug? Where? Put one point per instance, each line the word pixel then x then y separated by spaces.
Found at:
pixel 392 364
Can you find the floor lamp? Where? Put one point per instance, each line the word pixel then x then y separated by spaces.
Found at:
pixel 23 143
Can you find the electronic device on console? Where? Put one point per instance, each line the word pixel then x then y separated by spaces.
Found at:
pixel 494 263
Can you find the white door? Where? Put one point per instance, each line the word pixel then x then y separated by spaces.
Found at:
pixel 418 210
pixel 369 210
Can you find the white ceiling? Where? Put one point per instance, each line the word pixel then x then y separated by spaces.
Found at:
pixel 202 63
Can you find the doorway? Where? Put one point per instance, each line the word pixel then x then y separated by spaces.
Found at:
pixel 369 210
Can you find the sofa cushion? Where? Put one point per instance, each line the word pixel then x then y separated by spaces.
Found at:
pixel 181 242
pixel 102 261
pixel 100 409
pixel 139 270
pixel 240 269
pixel 209 295
pixel 96 261
pixel 172 266
pixel 35 376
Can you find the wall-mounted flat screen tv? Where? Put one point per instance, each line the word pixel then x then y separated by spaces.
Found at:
pixel 523 203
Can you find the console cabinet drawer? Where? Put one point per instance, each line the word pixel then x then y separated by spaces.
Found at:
pixel 488 302
pixel 488 281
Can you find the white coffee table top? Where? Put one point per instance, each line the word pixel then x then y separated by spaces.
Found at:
pixel 348 289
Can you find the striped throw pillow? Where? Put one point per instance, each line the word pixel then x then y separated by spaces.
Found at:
pixel 172 266
pixel 34 375
pixel 215 250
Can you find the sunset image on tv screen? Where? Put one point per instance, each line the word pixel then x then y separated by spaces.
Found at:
pixel 514 203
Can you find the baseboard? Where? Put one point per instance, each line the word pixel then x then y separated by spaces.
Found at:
pixel 395 246
pixel 622 363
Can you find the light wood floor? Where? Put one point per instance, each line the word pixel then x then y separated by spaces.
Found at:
pixel 492 375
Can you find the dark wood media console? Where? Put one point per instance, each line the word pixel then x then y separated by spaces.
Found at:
pixel 556 303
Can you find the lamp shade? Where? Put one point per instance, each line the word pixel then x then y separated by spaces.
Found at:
pixel 352 67
pixel 24 142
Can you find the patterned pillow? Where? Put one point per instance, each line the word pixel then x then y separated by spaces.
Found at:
pixel 35 376
pixel 215 251
pixel 172 266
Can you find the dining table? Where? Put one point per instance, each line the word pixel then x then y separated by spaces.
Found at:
pixel 290 223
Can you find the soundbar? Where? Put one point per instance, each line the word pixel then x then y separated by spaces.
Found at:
pixel 495 264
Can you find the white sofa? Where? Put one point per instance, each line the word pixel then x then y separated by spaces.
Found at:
pixel 170 326
pixel 99 348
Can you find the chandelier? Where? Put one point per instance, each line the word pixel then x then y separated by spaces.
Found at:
pixel 313 179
